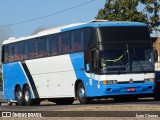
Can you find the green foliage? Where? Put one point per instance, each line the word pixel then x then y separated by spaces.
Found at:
pixel 126 10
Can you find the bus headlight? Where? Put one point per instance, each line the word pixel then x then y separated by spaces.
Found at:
pixel 149 80
pixel 109 82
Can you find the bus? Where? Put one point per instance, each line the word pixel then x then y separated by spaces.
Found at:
pixel 84 61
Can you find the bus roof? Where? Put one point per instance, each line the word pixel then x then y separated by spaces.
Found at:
pixel 94 24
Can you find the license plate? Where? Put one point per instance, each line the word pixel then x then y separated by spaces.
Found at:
pixel 131 89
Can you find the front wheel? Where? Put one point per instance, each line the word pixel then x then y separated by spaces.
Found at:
pixel 81 94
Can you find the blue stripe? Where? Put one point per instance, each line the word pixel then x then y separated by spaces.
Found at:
pixel 13 75
pixel 103 24
pixel 30 79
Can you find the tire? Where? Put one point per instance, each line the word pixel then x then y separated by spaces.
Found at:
pixel 81 94
pixel 9 103
pixel 27 98
pixel 64 101
pixel 157 96
pixel 19 96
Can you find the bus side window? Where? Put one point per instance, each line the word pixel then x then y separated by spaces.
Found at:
pixel 19 51
pixel 11 57
pixel 59 44
pixel 29 49
pixel 5 54
pixel 52 44
pixel 87 37
pixel 77 40
pixel 66 42
pixel 41 45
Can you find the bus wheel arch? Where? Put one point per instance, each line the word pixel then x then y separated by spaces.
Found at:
pixel 81 94
pixel 76 86
pixel 28 101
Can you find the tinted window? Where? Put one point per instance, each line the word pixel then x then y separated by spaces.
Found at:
pixel 77 40
pixel 89 37
pixel 124 34
pixel 5 53
pixel 19 51
pixel 64 43
pixel 29 49
pixel 52 44
pixel 40 47
pixel 11 52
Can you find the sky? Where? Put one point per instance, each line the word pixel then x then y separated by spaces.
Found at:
pixel 13 11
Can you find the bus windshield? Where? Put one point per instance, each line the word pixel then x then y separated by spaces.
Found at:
pixel 124 34
pixel 122 60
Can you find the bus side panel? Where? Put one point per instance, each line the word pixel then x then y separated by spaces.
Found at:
pixel 13 75
pixel 54 77
pixel 79 68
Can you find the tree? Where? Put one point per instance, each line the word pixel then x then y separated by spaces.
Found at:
pixel 126 10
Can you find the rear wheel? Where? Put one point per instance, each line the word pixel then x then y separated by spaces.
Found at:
pixel 27 98
pixel 19 96
pixel 81 94
pixel 9 103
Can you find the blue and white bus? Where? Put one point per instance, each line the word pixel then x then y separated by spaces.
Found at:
pixel 98 59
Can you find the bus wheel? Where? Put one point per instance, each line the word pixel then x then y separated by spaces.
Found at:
pixel 81 95
pixel 19 96
pixel 27 96
pixel 9 103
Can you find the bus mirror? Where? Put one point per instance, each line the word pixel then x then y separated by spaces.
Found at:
pixel 97 55
pixel 156 55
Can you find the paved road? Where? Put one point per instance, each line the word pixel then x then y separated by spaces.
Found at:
pixel 147 104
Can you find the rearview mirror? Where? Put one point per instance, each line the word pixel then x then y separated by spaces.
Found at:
pixel 97 55
pixel 155 55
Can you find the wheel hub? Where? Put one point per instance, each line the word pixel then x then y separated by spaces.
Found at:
pixel 81 92
pixel 26 96
pixel 19 96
